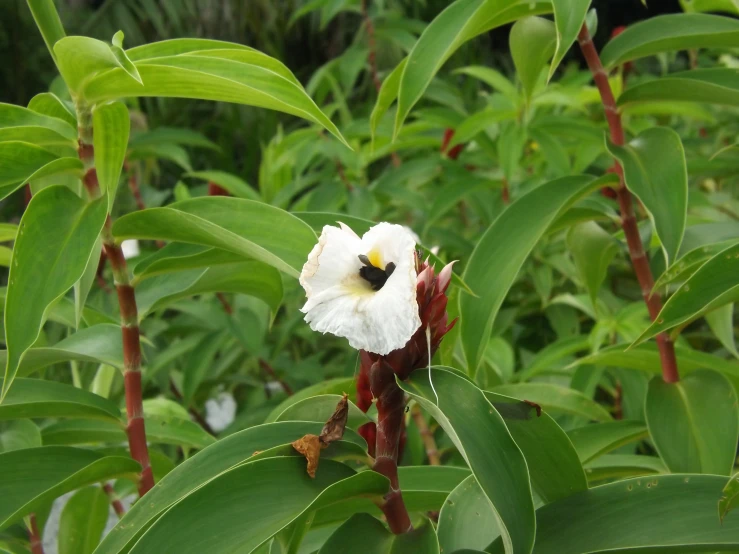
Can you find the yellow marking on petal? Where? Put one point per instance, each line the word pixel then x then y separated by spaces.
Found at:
pixel 375 258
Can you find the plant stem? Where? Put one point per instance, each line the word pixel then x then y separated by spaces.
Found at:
pixel 270 371
pixel 37 546
pixel 390 411
pixel 628 219
pixel 426 436
pixel 196 415
pixel 135 429
pixel 117 506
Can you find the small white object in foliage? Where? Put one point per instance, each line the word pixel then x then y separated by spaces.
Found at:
pixel 220 412
pixel 364 288
pixel 130 248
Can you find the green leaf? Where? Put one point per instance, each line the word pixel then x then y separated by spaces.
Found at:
pixel 35 476
pixel 320 408
pixel 79 59
pixel 48 22
pixel 98 344
pixel 655 171
pixel 678 510
pixel 83 520
pixel 188 68
pixel 495 79
pixel 532 43
pixel 459 22
pixel 621 466
pixel 693 435
pixel 329 386
pixel 592 441
pixel 176 135
pixel 47 103
pixel 689 263
pixel 251 278
pixel 569 16
pixel 122 58
pixel 552 461
pixel 386 96
pixel 713 285
pixel 230 505
pixel 37 398
pixel 233 184
pixel 474 426
pixel 244 227
pixel 111 125
pixel 21 162
pixel 178 257
pixel 198 470
pixel 83 286
pixel 713 86
pixel 721 322
pixel 466 520
pixel 645 357
pixel 502 250
pixel 729 498
pixel 16 117
pixel 56 238
pixel 363 534
pixel 593 250
pixel 554 398
pixel 18 434
pixel 670 32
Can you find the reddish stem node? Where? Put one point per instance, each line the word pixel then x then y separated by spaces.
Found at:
pixel 117 506
pixel 37 546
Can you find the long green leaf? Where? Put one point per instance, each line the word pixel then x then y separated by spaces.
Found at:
pixel 83 520
pixel 713 86
pixel 21 162
pixel 569 16
pixel 592 441
pixel 502 250
pixel 111 126
pixel 48 22
pixel 244 227
pixel 532 43
pixel 56 238
pixel 555 398
pixel 466 520
pixel 480 435
pixel 730 497
pixel 363 534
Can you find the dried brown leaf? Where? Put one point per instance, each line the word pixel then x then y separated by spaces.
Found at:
pixel 334 428
pixel 309 446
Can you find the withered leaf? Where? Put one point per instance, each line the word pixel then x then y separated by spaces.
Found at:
pixel 334 428
pixel 309 446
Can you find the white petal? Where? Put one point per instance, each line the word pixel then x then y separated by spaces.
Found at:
pixel 340 302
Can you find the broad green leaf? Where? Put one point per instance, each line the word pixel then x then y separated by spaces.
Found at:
pixel 37 398
pixel 655 171
pixel 161 151
pixel 689 263
pixel 721 322
pixel 79 59
pixel 233 184
pixel 496 80
pixel 671 32
pixel 386 96
pixel 532 43
pixel 17 117
pixel 466 520
pixel 176 135
pixel 230 505
pixel 8 232
pixel 198 470
pixel 730 497
pixel 474 425
pixel 552 461
pixel 622 466
pixel 179 256
pixel 320 408
pixel 48 22
pixel 244 227
pixel 123 60
pixel 21 162
pixel 19 434
pixel 111 125
pixel 501 251
pixel 712 86
pixel 47 103
pixel 593 250
pixel 56 238
pixel 728 6
pixel 34 476
pixel 83 520
pixel 459 22
pixel 592 441
pixel 555 398
pixel 98 344
pixel 691 433
pixel 679 512
pixel 252 278
pixel 329 386
pixel 713 285
pixel 367 535
pixel 160 429
pixel 550 356
pixel 569 17
pixel 229 74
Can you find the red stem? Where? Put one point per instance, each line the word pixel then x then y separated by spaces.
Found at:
pixel 135 428
pixel 390 412
pixel 628 219
pixel 117 506
pixel 269 370
pixel 37 546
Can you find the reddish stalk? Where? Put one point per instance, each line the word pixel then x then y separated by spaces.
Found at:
pixel 37 546
pixel 117 506
pixel 270 371
pixel 390 413
pixel 135 428
pixel 426 436
pixel 628 219
pixel 196 415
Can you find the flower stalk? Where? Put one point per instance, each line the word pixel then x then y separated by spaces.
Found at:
pixel 120 511
pixel 135 428
pixel 639 260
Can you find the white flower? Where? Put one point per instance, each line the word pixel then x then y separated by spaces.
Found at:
pixel 363 289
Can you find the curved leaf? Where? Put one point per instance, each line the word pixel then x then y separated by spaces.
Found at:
pixel 179 256
pixel 56 238
pixel 111 125
pixel 83 520
pixel 532 43
pixel 712 86
pixel 367 535
pixel 466 520
pixel 233 184
pixel 569 16
pixel 592 441
pixel 554 398
pixel 320 408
